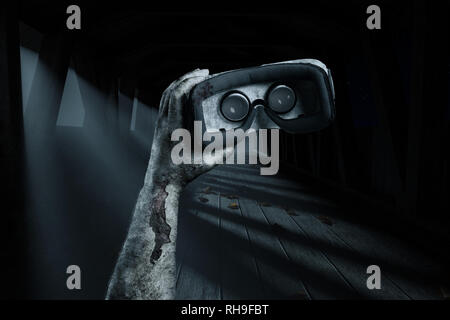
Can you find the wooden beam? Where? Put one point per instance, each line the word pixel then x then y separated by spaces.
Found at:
pixel 189 24
pixel 93 93
pixel 385 176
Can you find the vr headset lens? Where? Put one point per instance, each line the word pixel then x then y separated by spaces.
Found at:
pixel 281 99
pixel 235 107
pixel 296 97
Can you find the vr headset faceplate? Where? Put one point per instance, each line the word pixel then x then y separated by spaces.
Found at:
pixel 295 96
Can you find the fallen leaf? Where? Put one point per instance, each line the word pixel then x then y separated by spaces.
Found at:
pixel 233 205
pixel 277 228
pixel 265 204
pixel 325 220
pixel 290 211
pixel 204 200
pixel 230 196
pixel 208 190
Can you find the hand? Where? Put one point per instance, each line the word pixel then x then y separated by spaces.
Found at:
pixel 146 265
pixel 172 107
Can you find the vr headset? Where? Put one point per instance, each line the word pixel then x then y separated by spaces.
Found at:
pixel 295 96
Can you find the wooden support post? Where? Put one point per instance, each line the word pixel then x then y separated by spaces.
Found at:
pixel 146 117
pixel 12 230
pixel 340 154
pixel 48 84
pixel 385 170
pixel 126 95
pixel 93 89
pixel 112 104
pixel 410 199
pixel 312 162
pixel 295 151
pixel 318 150
pixel 434 150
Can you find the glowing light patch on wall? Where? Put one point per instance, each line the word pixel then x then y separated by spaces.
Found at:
pixel 71 111
pixel 30 45
pixel 133 114
pixel 28 62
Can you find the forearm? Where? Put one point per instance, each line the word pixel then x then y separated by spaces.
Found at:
pixel 146 266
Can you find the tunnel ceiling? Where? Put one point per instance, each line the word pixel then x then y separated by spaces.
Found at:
pixel 155 43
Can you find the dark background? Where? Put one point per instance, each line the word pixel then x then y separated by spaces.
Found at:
pixel 68 190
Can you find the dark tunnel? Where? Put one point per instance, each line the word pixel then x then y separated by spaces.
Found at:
pixel 78 113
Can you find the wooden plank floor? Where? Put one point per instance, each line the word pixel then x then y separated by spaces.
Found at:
pixel 246 236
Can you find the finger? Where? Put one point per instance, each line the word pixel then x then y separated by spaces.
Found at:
pixel 179 97
pixel 165 98
pixel 196 171
pixel 164 103
pixel 204 168
pixel 193 73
